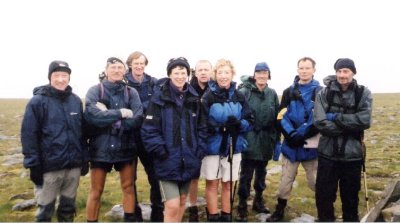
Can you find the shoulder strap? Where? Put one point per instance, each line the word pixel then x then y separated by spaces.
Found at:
pixel 358 94
pixel 127 93
pixel 101 93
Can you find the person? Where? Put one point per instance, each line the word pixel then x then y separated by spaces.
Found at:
pixel 52 144
pixel 144 84
pixel 297 127
pixel 229 118
pixel 174 133
pixel 342 112
pixel 264 103
pixel 199 81
pixel 113 110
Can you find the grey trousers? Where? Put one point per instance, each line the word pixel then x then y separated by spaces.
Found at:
pixel 62 184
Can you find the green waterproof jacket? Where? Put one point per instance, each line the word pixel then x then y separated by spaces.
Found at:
pixel 264 105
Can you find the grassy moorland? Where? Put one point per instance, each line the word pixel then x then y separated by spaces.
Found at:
pixel 383 166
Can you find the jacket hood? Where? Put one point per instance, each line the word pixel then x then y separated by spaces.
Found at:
pixel 329 80
pixel 334 85
pixel 248 81
pixel 48 90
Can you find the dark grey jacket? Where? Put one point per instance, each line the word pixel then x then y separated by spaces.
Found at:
pixel 109 141
pixel 350 121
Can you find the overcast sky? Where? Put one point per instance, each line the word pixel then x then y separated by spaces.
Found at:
pixel 86 33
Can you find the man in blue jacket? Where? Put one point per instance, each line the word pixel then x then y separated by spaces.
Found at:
pixel 144 85
pixel 51 139
pixel 298 130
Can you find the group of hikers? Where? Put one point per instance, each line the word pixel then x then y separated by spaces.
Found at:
pixel 206 128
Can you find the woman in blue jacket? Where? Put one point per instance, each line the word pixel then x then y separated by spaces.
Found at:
pixel 113 110
pixel 229 117
pixel 174 133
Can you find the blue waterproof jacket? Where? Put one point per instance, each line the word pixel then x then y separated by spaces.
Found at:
pixel 145 89
pixel 219 104
pixel 299 118
pixel 51 132
pixel 175 136
pixel 111 136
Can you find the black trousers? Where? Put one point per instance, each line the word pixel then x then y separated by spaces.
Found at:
pixel 248 168
pixel 147 162
pixel 330 175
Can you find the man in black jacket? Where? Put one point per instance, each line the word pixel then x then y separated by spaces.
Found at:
pixel 51 139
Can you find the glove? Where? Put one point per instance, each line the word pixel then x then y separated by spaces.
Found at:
pixel 126 113
pixel 331 116
pixel 295 140
pixel 101 106
pixel 233 125
pixel 36 175
pixel 85 169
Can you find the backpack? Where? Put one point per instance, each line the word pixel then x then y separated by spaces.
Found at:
pixel 358 92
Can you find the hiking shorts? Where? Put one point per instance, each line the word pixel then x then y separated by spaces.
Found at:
pixel 215 167
pixel 108 166
pixel 171 189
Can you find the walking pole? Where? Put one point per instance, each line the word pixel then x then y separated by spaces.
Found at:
pixel 230 160
pixel 364 149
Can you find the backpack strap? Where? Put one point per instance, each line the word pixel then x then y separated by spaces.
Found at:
pixel 127 94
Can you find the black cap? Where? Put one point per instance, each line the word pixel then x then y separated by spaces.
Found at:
pixel 58 65
pixel 345 63
pixel 180 61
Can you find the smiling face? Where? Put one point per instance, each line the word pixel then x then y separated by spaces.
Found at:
pixel 224 76
pixel 261 77
pixel 115 71
pixel 138 65
pixel 344 77
pixel 178 76
pixel 59 80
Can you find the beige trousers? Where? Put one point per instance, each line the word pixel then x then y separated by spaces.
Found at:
pixel 289 173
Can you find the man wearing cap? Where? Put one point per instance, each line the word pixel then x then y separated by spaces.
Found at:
pixel 264 103
pixel 51 139
pixel 342 113
pixel 174 133
pixel 296 125
pixel 113 110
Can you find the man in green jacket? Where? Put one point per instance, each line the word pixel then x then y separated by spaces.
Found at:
pixel 261 141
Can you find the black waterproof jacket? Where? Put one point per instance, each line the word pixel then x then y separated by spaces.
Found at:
pixel 51 132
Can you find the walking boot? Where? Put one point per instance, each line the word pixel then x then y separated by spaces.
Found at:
pixel 258 204
pixel 138 213
pixel 193 214
pixel 242 212
pixel 157 214
pixel 279 212
pixel 225 217
pixel 212 217
pixel 129 217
